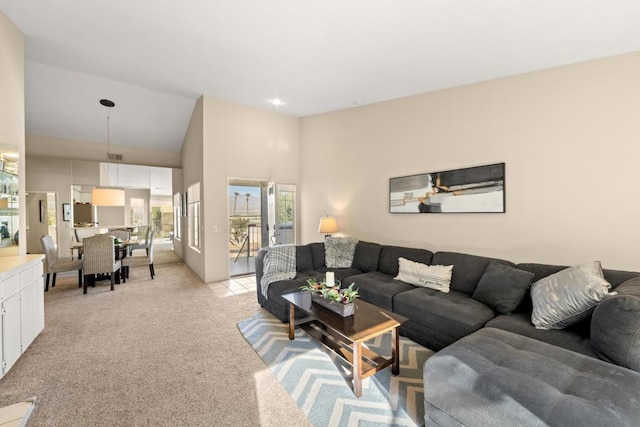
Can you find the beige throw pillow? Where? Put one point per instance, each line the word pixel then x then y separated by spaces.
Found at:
pixel 436 277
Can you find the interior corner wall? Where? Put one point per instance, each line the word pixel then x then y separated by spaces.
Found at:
pixel 192 172
pixel 245 143
pixel 569 137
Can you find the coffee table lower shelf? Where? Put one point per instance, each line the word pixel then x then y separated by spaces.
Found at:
pixel 370 362
pixel 347 343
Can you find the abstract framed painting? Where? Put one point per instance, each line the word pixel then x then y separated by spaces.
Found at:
pixel 478 189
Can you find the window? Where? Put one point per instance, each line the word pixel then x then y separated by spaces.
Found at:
pixel 177 230
pixel 193 215
pixel 137 212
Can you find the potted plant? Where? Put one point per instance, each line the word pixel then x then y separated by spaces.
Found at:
pixel 340 301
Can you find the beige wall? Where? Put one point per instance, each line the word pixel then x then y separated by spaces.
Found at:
pixel 12 108
pixel 237 142
pixel 570 138
pixel 96 151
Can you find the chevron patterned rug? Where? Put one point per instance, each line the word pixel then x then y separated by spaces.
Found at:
pixel 319 382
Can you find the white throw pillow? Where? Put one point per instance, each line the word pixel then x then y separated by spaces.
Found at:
pixel 436 277
pixel 568 296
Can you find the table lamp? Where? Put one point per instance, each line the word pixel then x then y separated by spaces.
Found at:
pixel 327 226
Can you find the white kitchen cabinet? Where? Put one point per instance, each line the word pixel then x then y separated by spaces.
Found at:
pixel 21 306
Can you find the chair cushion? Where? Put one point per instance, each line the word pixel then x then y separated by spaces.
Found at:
pixel 65 265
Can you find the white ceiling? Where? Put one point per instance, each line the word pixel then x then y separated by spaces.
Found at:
pixel 154 58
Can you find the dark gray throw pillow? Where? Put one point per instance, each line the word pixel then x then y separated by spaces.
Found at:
pixel 615 330
pixel 502 287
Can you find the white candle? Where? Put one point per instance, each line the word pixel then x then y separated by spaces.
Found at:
pixel 330 279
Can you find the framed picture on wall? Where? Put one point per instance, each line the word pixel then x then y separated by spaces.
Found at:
pixel 472 190
pixel 42 204
pixel 66 212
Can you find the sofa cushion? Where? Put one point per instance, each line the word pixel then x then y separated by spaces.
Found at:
pixel 436 277
pixel 502 287
pixel 367 256
pixel 339 251
pixel 615 327
pixel 340 273
pixel 568 296
pixel 454 313
pixel 574 338
pixel 317 254
pixel 389 256
pixel 496 378
pixel 467 269
pixel 303 258
pixel 378 288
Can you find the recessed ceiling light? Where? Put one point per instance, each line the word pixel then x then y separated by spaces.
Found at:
pixel 276 101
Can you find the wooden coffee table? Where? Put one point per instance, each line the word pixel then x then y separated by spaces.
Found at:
pixel 345 335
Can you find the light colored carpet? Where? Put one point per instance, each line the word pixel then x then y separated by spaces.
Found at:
pixel 163 352
pixel 320 382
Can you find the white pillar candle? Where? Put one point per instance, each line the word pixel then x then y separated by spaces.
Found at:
pixel 330 279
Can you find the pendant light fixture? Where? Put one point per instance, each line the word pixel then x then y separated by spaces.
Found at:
pixel 105 196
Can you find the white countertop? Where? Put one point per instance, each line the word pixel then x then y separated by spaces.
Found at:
pixel 8 263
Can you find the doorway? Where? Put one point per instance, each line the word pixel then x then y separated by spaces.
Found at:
pixel 245 224
pixel 261 214
pixel 41 220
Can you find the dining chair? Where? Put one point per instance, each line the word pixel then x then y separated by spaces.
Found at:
pixel 143 233
pixel 120 233
pixel 99 258
pixel 54 265
pixel 139 260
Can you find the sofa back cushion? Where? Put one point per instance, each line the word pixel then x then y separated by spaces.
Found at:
pixel 317 254
pixel 366 256
pixel 615 326
pixel 389 256
pixel 304 261
pixel 467 269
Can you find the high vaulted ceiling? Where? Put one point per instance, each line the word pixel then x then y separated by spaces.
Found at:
pixel 154 58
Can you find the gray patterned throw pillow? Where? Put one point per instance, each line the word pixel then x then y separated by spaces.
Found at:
pixel 568 296
pixel 339 251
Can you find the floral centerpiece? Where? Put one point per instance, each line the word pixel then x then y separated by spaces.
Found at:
pixel 332 297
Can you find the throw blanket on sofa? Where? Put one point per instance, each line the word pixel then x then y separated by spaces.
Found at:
pixel 279 264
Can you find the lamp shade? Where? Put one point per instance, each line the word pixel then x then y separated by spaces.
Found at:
pixel 327 225
pixel 107 197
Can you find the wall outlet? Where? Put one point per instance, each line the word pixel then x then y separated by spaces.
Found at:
pixel 216 228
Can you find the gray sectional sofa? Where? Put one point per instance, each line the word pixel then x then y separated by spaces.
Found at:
pixel 492 368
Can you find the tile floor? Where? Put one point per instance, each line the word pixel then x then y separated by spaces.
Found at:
pixel 234 286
